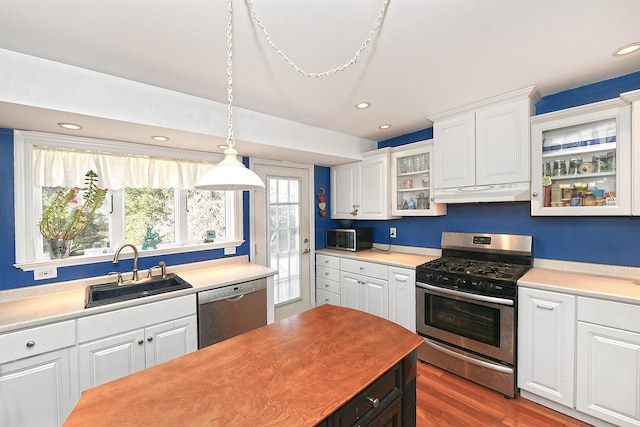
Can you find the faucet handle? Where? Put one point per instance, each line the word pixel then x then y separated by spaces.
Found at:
pixel 120 281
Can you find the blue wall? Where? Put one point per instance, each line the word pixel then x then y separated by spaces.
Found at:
pixel 11 277
pixel 603 240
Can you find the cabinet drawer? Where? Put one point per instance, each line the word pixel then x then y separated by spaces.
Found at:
pixel 327 273
pixel 328 261
pixel 324 297
pixel 384 390
pixel 609 313
pixel 328 285
pixel 365 268
pixel 30 342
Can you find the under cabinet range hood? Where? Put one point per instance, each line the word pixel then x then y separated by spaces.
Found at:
pixel 511 192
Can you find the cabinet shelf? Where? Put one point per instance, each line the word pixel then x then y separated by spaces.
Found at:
pixel 413 190
pixel 414 173
pixel 586 149
pixel 582 176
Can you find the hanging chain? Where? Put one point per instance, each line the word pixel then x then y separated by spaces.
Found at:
pixel 335 70
pixel 230 142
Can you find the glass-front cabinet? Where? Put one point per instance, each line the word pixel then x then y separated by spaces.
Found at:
pixel 581 160
pixel 411 181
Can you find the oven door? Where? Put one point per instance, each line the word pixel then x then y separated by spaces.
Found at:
pixel 476 323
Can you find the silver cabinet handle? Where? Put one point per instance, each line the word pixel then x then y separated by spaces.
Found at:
pixel 544 307
pixel 374 402
pixel 31 344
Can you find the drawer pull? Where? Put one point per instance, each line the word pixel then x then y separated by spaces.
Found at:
pixel 149 339
pixel 31 344
pixel 326 273
pixel 374 402
pixel 326 285
pixel 140 341
pixel 544 307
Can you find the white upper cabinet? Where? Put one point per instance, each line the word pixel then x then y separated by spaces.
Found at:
pixel 412 179
pixel 634 98
pixel 360 190
pixel 581 160
pixel 481 151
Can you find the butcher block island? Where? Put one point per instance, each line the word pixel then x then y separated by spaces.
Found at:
pixel 327 366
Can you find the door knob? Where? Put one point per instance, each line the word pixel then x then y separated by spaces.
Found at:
pixel 306 251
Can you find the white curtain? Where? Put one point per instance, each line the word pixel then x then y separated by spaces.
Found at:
pixel 54 167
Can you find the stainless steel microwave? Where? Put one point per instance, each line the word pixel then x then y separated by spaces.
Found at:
pixel 349 239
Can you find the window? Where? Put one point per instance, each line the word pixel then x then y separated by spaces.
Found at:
pixel 150 200
pixel 284 237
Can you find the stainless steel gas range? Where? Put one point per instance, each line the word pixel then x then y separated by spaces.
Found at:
pixel 466 305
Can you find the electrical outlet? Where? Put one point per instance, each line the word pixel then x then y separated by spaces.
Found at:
pixel 231 250
pixel 392 232
pixel 45 273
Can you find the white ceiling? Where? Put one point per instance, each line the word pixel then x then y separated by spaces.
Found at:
pixel 429 56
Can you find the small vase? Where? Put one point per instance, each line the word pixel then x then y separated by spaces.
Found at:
pixel 59 249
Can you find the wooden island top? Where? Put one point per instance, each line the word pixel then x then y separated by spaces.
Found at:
pixel 296 372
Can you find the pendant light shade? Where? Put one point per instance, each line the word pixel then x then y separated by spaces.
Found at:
pixel 229 175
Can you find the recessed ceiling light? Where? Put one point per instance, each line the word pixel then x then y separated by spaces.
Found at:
pixel 159 138
pixel 385 126
pixel 625 50
pixel 362 105
pixel 71 126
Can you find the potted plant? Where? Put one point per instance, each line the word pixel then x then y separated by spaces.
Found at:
pixel 65 217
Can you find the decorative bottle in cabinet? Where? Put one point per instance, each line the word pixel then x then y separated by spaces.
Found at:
pixel 412 173
pixel 582 161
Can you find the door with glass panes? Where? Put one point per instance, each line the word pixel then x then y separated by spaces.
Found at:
pixel 282 235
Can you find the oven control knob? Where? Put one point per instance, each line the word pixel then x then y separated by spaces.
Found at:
pixel 487 286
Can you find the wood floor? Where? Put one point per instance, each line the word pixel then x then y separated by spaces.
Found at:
pixel 444 399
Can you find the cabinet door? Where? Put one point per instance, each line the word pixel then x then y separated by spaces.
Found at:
pixel 373 188
pixel 412 179
pixel 350 290
pixel 581 161
pixel 402 297
pixel 343 191
pixel 169 340
pixel 375 297
pixel 608 374
pixel 37 391
pixel 502 143
pixel 111 358
pixel 454 152
pixel 546 342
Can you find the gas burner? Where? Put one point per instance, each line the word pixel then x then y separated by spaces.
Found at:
pixel 476 268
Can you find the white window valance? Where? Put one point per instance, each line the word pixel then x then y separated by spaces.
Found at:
pixel 56 167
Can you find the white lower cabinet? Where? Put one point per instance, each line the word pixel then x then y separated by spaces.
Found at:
pixel 381 289
pixel 38 375
pixel 121 342
pixel 608 366
pixel 546 344
pixel 580 356
pixel 364 286
pixel 402 297
pixel 327 280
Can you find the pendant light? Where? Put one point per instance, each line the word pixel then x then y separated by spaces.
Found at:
pixel 230 173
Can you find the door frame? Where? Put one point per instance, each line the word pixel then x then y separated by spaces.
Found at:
pixel 312 223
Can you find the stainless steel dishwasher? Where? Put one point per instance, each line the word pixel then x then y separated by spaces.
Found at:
pixel 231 310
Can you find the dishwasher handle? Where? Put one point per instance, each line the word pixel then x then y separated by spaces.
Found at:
pixel 231 292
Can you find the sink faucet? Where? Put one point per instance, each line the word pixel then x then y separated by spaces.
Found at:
pixel 135 259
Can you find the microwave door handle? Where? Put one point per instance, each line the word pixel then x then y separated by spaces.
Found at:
pixel 484 298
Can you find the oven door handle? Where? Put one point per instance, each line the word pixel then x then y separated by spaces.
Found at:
pixel 468 359
pixel 467 295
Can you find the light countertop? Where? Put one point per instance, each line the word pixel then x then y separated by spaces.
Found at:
pixel 613 288
pixel 396 259
pixel 38 305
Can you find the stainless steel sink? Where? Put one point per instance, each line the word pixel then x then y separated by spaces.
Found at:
pixel 112 292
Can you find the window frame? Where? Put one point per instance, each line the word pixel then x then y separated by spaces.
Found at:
pixel 28 208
